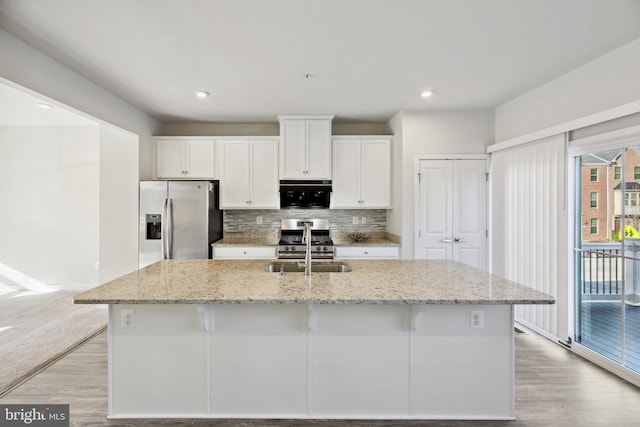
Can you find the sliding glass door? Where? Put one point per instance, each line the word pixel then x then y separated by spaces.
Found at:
pixel 608 254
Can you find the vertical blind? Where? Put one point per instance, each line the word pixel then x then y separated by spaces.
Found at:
pixel 529 226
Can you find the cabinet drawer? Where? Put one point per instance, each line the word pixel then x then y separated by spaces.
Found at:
pixel 389 252
pixel 244 252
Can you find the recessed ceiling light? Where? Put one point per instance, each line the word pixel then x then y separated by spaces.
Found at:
pixel 427 93
pixel 45 106
pixel 202 93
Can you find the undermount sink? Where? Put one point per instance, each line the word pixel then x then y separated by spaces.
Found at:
pixel 316 267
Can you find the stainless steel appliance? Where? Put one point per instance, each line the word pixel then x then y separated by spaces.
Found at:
pixel 313 194
pixel 178 219
pixel 291 246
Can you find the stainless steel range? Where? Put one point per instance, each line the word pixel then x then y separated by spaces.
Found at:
pixel 291 246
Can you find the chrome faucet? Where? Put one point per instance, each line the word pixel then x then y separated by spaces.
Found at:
pixel 306 239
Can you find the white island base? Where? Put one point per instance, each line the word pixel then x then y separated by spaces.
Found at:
pixel 370 361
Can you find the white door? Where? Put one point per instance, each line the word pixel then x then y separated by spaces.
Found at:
pixel 264 171
pixel 200 159
pixel 236 174
pixel 452 222
pixel 318 149
pixel 376 174
pixel 346 174
pixel 170 159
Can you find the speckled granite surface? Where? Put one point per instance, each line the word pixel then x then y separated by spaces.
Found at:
pixel 370 282
pixel 246 241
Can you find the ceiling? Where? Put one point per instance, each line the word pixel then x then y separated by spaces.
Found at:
pixel 368 59
pixel 18 108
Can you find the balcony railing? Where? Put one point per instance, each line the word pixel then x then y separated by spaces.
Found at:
pixel 601 269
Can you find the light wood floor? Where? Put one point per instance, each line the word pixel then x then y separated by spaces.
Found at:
pixel 554 388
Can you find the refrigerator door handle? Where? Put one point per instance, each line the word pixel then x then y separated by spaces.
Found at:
pixel 169 229
pixel 163 225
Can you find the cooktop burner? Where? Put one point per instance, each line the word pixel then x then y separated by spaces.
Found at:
pixel 291 233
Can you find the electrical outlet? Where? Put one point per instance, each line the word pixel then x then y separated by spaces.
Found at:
pixel 477 319
pixel 128 319
pixel 259 220
pixel 363 220
pixel 355 220
pixel 96 265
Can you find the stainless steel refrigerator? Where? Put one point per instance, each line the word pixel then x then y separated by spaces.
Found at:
pixel 178 220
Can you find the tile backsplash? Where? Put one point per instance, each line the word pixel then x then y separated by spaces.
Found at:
pixel 245 221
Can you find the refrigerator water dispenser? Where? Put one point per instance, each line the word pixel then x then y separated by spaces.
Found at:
pixel 154 226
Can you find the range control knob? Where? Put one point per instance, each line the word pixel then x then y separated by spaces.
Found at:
pixel 324 249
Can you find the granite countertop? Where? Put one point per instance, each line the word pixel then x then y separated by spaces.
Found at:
pixel 373 241
pixel 369 282
pixel 247 241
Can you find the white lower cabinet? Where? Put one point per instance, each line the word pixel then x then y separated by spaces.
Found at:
pixel 158 365
pixel 369 361
pixel 258 361
pixel 358 355
pixel 244 252
pixel 371 252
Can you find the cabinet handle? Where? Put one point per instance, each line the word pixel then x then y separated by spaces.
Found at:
pixel 445 240
pixel 458 240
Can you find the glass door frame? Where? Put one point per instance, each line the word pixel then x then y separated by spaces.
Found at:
pixel 577 149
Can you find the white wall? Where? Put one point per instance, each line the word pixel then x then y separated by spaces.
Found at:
pixel 49 216
pixel 431 132
pixel 394 216
pixel 607 82
pixel 118 240
pixel 30 68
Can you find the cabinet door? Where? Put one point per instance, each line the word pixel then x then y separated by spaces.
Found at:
pixel 346 174
pixel 264 179
pixel 376 174
pixel 236 174
pixel 371 252
pixel 292 151
pixel 244 252
pixel 318 145
pixel 170 159
pixel 200 159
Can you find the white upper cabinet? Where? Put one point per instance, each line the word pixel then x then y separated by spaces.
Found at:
pixel 188 158
pixel 249 176
pixel 305 147
pixel 361 172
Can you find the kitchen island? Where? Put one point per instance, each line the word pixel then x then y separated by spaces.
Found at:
pixel 392 339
